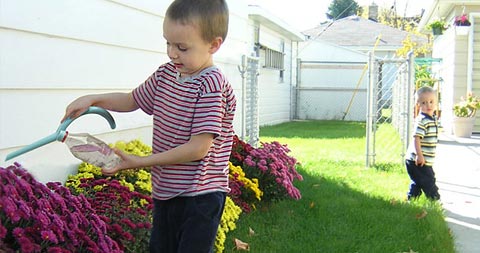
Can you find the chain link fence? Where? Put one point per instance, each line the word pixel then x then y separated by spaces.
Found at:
pixel 390 110
pixel 250 121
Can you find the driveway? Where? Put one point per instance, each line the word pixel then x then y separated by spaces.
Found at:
pixel 457 169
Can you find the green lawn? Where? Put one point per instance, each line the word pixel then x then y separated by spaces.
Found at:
pixel 345 207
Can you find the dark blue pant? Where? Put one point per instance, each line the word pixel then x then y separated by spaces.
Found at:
pixel 186 224
pixel 423 179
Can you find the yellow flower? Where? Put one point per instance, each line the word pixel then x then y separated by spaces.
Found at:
pixel 249 184
pixel 230 215
pixel 127 184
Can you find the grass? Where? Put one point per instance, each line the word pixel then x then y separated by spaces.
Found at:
pixel 345 207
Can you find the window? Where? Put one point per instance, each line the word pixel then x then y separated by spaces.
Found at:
pixel 273 59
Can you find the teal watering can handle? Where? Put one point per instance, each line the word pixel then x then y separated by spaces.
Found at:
pixel 92 109
pixel 61 131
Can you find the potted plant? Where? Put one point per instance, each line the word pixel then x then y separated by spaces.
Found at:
pixel 438 26
pixel 462 24
pixel 464 112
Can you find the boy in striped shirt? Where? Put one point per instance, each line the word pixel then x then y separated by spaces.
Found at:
pixel 421 152
pixel 193 106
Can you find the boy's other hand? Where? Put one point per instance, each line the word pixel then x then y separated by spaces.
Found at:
pixel 420 161
pixel 128 162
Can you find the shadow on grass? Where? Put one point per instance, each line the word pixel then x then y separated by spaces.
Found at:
pixel 320 129
pixel 331 217
pixel 389 167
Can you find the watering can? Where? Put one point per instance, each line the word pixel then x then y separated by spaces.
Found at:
pixel 59 135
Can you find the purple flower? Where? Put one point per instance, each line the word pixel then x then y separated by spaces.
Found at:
pixel 56 250
pixel 48 235
pixel 37 217
pixel 10 209
pixel 3 231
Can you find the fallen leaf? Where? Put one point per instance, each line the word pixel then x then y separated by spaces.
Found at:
pixel 421 215
pixel 239 245
pixel 251 232
pixel 312 204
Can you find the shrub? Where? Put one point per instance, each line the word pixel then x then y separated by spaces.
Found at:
pixel 136 180
pixel 240 150
pixel 47 218
pixel 127 213
pixel 244 192
pixel 275 170
pixel 231 213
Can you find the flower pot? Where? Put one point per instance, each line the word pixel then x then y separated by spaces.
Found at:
pixel 463 127
pixel 437 30
pixel 462 30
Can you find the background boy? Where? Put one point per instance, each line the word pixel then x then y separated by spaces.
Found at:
pixel 193 107
pixel 421 152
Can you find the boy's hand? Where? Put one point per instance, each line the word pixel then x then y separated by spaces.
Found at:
pixel 77 107
pixel 128 162
pixel 420 161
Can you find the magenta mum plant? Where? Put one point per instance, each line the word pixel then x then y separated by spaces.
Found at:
pixel 275 170
pixel 127 213
pixel 35 217
pixel 240 150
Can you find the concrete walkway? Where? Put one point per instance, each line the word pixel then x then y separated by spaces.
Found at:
pixel 457 169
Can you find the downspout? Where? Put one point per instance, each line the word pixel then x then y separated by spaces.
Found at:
pixel 292 85
pixel 470 54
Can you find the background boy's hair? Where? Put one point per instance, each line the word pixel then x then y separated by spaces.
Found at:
pixel 211 16
pixel 423 90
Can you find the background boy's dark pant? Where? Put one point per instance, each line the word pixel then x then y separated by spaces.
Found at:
pixel 423 178
pixel 186 224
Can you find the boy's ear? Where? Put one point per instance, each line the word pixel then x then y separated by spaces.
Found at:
pixel 215 45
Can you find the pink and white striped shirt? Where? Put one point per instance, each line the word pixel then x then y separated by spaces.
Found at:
pixel 204 103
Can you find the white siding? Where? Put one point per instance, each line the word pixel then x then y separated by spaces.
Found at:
pixel 275 98
pixel 453 50
pixel 53 51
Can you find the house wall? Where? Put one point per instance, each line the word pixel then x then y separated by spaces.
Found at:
pixel 51 54
pixel 443 48
pixel 454 51
pixel 275 92
pixel 476 58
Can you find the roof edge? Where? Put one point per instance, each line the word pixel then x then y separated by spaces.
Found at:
pixel 259 14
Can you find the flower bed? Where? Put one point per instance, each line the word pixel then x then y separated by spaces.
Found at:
pixel 94 213
pixel 47 218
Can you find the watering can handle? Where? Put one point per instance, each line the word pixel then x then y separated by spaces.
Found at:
pixel 92 109
pixel 61 131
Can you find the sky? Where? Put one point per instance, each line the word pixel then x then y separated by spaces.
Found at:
pixel 306 14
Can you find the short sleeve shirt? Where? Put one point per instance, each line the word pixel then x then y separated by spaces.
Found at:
pixel 204 103
pixel 426 127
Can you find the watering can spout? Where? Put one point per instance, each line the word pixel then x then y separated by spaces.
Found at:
pixel 61 131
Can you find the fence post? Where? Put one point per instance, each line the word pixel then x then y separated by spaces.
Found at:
pixel 370 112
pixel 243 69
pixel 410 90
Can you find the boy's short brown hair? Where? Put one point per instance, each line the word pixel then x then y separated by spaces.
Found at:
pixel 211 16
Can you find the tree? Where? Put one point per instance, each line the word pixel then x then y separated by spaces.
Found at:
pixel 342 8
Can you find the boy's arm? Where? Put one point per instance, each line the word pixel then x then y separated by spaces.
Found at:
pixel 193 150
pixel 420 160
pixel 119 102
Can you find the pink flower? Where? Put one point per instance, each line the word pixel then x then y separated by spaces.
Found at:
pixel 48 235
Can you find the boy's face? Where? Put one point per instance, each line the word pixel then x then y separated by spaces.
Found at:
pixel 186 48
pixel 427 103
